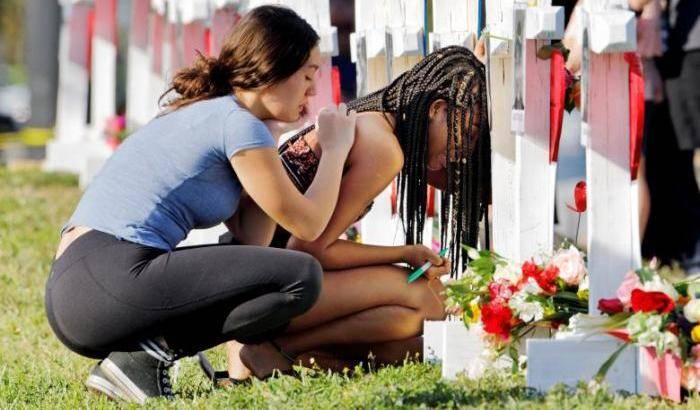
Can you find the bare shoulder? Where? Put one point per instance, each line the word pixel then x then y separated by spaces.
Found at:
pixel 375 143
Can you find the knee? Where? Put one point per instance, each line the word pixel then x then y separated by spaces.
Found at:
pixel 310 279
pixel 431 296
pixel 404 322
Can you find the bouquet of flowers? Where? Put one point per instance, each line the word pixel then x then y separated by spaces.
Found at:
pixel 512 300
pixel 660 316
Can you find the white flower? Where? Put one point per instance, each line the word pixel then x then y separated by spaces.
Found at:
pixel 531 287
pixel 572 269
pixel 509 272
pixel 691 311
pixel 642 324
pixel 526 311
pixel 646 330
pixel 582 321
pixel 656 284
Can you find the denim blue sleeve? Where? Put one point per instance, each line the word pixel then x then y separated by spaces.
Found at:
pixel 242 131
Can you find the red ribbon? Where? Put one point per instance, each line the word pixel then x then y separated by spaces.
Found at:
pixel 430 211
pixel 207 41
pixel 557 94
pixel 335 84
pixel 636 91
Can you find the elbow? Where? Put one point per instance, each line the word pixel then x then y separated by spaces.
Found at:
pixel 308 235
pixel 306 231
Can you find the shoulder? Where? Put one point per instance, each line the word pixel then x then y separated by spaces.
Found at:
pixel 375 143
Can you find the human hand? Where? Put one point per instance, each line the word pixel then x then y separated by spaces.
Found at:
pixel 418 255
pixel 336 128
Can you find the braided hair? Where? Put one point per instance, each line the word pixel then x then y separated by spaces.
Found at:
pixel 455 75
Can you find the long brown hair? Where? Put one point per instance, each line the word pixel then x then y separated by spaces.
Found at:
pixel 269 44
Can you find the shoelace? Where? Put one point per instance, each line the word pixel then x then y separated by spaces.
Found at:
pixel 164 380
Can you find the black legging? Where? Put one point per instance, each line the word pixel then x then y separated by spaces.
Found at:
pixel 106 294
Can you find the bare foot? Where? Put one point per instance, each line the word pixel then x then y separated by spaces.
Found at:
pixel 263 360
pixel 236 369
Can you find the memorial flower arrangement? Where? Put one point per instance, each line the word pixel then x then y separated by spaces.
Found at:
pixel 658 315
pixel 511 300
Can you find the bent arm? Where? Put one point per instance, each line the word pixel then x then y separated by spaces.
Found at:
pixel 250 225
pixel 260 172
pixel 373 165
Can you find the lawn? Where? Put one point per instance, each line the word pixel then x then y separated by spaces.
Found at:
pixel 36 371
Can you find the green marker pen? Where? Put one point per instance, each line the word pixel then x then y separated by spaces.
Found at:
pixel 418 272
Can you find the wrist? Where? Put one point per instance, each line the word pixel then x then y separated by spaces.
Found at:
pixel 405 253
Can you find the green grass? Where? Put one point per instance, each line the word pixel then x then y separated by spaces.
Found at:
pixel 36 371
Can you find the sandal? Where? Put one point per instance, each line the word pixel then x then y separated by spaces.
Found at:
pixel 220 378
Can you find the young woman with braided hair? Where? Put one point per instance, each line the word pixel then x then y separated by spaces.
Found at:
pixel 429 127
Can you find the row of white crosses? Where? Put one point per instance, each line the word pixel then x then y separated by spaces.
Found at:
pixel 523 169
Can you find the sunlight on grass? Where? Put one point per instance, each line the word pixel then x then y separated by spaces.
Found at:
pixel 36 371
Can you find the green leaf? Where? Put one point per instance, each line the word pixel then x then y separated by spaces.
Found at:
pixel 608 363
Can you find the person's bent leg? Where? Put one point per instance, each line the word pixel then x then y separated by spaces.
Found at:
pixel 369 305
pixel 107 295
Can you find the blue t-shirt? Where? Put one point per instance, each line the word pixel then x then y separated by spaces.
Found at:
pixel 173 175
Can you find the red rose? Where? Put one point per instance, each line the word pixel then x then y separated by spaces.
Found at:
pixel 579 197
pixel 651 302
pixel 545 278
pixel 610 306
pixel 496 318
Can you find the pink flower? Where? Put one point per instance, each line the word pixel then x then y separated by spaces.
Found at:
pixel 629 283
pixel 572 269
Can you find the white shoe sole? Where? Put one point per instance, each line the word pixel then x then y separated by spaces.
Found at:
pixel 123 383
pixel 104 386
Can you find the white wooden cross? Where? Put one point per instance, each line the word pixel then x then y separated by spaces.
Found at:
pixel 140 103
pixel 104 66
pixel 523 178
pixel 65 152
pixel 613 238
pixel 156 50
pixel 449 342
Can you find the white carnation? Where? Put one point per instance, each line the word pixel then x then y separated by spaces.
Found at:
pixel 526 311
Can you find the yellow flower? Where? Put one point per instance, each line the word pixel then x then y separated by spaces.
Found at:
pixel 695 334
pixel 476 314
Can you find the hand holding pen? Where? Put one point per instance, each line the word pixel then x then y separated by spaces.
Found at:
pixel 430 264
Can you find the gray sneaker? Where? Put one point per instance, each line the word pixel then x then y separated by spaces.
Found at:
pixel 133 376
